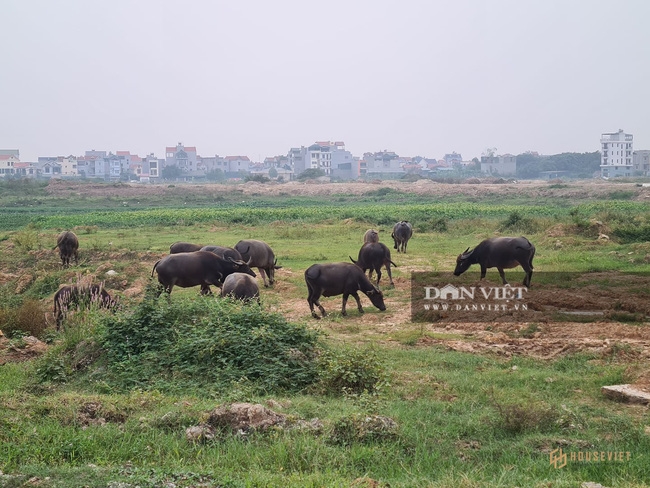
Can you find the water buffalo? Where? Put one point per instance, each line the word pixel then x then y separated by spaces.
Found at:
pixel 223 252
pixel 339 279
pixel 68 245
pixel 371 235
pixel 177 247
pixel 402 232
pixel 372 256
pixel 260 255
pixel 240 286
pixel 203 268
pixel 500 253
pixel 80 296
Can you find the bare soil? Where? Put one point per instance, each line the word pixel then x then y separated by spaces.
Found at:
pixel 528 188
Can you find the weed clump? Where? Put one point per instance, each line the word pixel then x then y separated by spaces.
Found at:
pixel 350 372
pixel 517 222
pixel 177 344
pixel 28 318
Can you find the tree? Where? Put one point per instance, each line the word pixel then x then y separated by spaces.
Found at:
pixel 215 175
pixel 273 173
pixel 311 174
pixel 171 172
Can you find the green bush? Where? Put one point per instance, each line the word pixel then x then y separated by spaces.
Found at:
pixel 206 343
pixel 632 233
pixel 516 221
pixel 351 371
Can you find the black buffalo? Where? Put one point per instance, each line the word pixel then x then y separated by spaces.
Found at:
pixel 259 255
pixel 80 297
pixel 68 245
pixel 241 287
pixel 187 269
pixel 344 279
pixel 179 246
pixel 371 235
pixel 372 256
pixel 224 252
pixel 402 232
pixel 500 253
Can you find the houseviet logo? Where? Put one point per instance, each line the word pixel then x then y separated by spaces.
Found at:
pixel 559 459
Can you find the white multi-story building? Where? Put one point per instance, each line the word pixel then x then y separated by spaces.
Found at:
pixel 641 162
pixel 616 154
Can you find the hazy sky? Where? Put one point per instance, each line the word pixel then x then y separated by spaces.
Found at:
pixel 418 77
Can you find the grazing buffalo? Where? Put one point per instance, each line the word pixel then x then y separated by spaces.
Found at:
pixel 68 245
pixel 203 268
pixel 177 247
pixel 402 232
pixel 241 286
pixel 371 235
pixel 259 255
pixel 372 256
pixel 81 297
pixel 344 279
pixel 223 252
pixel 500 253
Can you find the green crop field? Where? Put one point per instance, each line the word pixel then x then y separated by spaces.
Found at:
pixel 107 401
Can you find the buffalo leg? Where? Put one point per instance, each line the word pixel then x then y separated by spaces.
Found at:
pixel 345 301
pixel 390 276
pixel 312 299
pixel 483 271
pixel 263 273
pixel 378 270
pixel 503 276
pixel 356 297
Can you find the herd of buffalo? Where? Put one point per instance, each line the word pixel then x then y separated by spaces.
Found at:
pixel 229 268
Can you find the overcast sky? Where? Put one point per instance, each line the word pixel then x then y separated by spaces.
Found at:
pixel 255 78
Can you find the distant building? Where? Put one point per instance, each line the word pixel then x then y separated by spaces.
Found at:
pixel 8 165
pixel 330 157
pixel 183 157
pixel 453 159
pixel 505 165
pixel 616 154
pixel 384 165
pixel 641 162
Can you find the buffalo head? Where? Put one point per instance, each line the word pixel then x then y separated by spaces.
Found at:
pixel 463 262
pixel 377 298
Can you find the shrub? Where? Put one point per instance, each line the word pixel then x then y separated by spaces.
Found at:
pixel 516 221
pixel 351 371
pixel 26 240
pixel 515 418
pixel 206 343
pixel 26 319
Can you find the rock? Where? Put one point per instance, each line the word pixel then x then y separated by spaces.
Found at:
pixel 603 237
pixel 626 393
pixel 244 417
pixel 591 484
pixel 199 433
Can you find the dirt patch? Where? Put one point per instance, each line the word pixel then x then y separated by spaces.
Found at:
pixel 530 189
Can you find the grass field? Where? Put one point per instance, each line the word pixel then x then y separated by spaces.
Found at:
pixel 474 405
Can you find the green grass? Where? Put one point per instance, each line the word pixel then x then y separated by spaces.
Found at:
pixel 470 420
